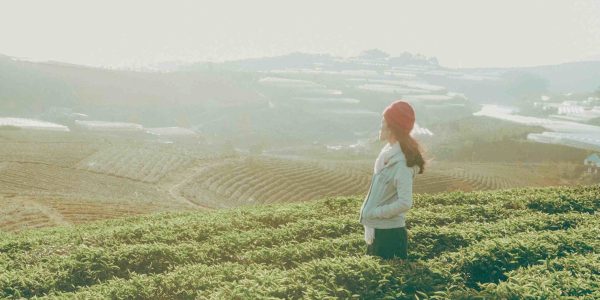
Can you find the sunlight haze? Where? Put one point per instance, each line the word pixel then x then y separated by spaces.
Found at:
pixel 459 33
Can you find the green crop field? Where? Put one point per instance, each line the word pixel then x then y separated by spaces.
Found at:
pixel 522 243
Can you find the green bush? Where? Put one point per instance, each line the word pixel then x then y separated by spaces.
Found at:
pixel 533 243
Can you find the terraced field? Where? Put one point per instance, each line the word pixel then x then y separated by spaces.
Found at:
pixel 138 163
pixel 22 213
pixel 19 214
pixel 60 154
pixel 53 148
pixel 263 179
pixel 37 195
pixel 490 176
pixel 480 177
pixel 56 178
pixel 40 185
pixel 38 179
pixel 532 243
pixel 254 180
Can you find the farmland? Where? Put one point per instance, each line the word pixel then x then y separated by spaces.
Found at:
pixel 254 180
pixel 50 178
pixel 462 245
pixel 138 163
pixel 47 179
pixel 268 180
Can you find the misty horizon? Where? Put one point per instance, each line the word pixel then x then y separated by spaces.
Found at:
pixel 156 66
pixel 461 34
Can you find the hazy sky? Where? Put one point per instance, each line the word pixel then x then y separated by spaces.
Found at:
pixel 460 33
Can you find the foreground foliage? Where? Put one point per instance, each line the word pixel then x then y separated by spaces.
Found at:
pixel 536 243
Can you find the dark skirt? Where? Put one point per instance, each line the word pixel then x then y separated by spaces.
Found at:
pixel 389 243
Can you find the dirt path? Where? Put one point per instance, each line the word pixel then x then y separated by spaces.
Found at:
pixel 175 190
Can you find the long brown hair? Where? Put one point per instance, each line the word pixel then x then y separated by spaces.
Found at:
pixel 411 147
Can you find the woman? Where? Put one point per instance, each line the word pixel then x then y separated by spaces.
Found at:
pixel 390 193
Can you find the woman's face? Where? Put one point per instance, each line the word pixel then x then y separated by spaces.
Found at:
pixel 384 131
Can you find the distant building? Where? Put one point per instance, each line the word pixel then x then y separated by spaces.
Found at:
pixel 593 163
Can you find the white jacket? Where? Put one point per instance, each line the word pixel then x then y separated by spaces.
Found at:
pixel 403 201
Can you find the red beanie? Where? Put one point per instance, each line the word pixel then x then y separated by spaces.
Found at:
pixel 400 114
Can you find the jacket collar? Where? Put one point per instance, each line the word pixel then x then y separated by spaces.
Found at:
pixel 396 155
